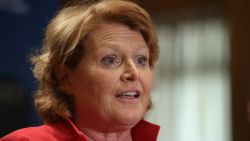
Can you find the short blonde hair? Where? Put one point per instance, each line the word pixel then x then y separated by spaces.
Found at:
pixel 64 44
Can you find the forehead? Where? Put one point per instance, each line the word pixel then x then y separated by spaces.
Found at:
pixel 111 33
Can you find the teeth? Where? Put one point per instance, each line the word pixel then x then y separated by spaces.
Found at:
pixel 128 95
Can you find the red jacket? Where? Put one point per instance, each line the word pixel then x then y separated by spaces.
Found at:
pixel 67 131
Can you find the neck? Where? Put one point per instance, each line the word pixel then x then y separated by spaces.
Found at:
pixel 97 129
pixel 101 130
pixel 93 135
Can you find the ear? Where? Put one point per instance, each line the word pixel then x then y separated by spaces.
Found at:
pixel 62 74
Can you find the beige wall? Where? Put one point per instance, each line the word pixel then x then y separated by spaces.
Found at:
pixel 237 13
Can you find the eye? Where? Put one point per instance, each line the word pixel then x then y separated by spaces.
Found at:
pixel 141 60
pixel 110 60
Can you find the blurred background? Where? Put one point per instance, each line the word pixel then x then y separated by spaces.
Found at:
pixel 202 83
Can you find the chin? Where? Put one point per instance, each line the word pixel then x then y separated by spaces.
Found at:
pixel 130 118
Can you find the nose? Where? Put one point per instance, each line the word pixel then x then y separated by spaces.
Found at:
pixel 130 72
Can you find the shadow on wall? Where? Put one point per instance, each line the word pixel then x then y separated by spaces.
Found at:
pixel 14 105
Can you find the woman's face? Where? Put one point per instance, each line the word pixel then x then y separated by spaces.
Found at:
pixel 111 85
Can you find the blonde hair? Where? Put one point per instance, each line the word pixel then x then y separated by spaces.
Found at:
pixel 64 44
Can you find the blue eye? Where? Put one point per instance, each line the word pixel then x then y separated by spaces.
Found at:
pixel 142 60
pixel 110 60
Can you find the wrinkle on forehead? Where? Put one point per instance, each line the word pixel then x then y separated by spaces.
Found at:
pixel 113 32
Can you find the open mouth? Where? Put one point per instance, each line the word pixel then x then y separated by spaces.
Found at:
pixel 129 95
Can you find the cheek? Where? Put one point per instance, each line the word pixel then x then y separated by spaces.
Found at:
pixel 147 79
pixel 150 80
pixel 147 85
pixel 93 94
pixel 102 85
pixel 106 81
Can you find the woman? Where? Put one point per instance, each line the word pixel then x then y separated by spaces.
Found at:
pixel 95 75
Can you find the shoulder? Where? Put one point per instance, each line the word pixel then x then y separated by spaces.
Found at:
pixel 63 130
pixel 39 133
